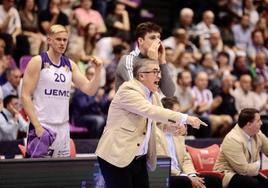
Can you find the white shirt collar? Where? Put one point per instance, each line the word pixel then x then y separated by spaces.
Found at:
pixel 246 135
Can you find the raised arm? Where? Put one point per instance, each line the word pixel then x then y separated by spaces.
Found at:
pixel 82 83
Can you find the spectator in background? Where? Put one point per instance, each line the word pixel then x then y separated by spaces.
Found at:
pixel 118 52
pixel 13 84
pixel 186 22
pixel 226 31
pixel 52 15
pixel 104 50
pixel 85 14
pixel 261 99
pixel 204 28
pixel 236 7
pixel 244 96
pixel 224 69
pixel 11 121
pixel 30 27
pixel 91 111
pixel 90 37
pixel 263 10
pixel 202 104
pixel 66 6
pixel 223 62
pixel 257 45
pixel 10 28
pixel 205 103
pixel 104 47
pixel 83 47
pixel 10 22
pixel 148 45
pixel 239 157
pixel 208 64
pixel 242 33
pixel 215 45
pixel 262 26
pixel 185 61
pixel 250 9
pixel 118 20
pixel 169 58
pixel 240 65
pixel 183 92
pixel 6 61
pixel 261 95
pixel 134 8
pixel 223 9
pixel 179 42
pixel 226 105
pixel 259 67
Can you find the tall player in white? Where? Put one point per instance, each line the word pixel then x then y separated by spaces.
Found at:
pixel 46 89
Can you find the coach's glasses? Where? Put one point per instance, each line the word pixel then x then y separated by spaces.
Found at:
pixel 155 72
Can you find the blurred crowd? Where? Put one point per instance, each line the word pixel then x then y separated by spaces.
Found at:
pixel 218 62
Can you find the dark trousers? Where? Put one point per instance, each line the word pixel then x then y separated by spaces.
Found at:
pixel 185 181
pixel 134 175
pixel 239 181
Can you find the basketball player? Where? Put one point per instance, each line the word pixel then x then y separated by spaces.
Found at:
pixel 47 86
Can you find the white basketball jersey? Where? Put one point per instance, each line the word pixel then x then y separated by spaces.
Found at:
pixel 52 93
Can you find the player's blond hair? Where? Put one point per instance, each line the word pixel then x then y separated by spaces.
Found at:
pixel 57 28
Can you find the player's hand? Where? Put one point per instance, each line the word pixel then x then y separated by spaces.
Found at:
pixel 197 182
pixel 39 131
pixel 96 62
pixel 195 122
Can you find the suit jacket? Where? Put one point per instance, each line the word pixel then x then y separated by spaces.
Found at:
pixel 185 160
pixel 126 125
pixel 235 158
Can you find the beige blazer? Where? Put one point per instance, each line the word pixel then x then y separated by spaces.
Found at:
pixel 185 160
pixel 126 125
pixel 235 157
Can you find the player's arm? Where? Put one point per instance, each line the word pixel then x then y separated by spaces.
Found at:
pixel 82 83
pixel 30 79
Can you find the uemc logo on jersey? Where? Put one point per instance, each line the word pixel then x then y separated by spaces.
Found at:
pixel 57 92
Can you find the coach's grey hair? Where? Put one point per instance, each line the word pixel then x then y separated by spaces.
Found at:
pixel 141 66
